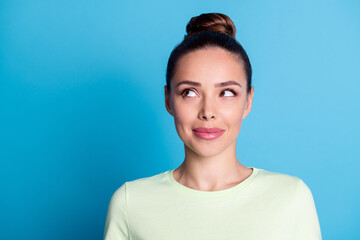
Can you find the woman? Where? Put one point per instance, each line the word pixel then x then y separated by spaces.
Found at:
pixel 211 195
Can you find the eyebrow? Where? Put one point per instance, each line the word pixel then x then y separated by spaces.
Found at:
pixel 196 84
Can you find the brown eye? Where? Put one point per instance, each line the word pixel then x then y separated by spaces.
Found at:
pixel 227 93
pixel 188 93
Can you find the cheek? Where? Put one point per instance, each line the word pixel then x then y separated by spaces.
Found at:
pixel 233 116
pixel 184 119
pixel 183 113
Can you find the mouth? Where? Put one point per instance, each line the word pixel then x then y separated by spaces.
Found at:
pixel 208 133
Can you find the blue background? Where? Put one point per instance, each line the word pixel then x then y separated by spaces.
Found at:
pixel 82 105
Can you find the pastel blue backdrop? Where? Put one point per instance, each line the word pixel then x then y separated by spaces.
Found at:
pixel 82 105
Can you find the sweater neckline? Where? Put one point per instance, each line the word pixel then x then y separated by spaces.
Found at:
pixel 226 191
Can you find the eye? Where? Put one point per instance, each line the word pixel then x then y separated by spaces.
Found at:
pixel 188 93
pixel 228 93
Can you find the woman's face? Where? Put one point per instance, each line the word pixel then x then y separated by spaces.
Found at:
pixel 208 90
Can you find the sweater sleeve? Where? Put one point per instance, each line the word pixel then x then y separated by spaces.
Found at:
pixel 306 218
pixel 116 226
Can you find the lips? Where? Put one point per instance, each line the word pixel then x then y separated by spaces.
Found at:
pixel 208 133
pixel 208 130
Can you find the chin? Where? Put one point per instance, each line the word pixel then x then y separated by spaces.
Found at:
pixel 206 150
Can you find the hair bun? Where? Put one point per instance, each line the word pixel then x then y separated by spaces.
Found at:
pixel 216 22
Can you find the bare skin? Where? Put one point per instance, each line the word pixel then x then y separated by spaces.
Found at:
pixel 209 165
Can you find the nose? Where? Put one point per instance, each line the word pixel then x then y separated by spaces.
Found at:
pixel 207 111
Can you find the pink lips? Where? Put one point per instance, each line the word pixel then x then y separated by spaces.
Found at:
pixel 208 133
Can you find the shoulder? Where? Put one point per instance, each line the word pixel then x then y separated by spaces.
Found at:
pixel 281 183
pixel 145 185
pixel 153 180
pixel 277 177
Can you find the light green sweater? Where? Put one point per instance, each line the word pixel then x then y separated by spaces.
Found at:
pixel 266 205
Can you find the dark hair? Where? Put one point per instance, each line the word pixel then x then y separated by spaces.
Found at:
pixel 209 30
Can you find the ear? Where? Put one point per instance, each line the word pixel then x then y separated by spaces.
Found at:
pixel 249 99
pixel 167 101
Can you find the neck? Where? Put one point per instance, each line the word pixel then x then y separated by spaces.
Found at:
pixel 211 173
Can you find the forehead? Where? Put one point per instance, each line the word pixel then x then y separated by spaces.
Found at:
pixel 211 65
